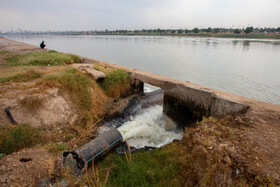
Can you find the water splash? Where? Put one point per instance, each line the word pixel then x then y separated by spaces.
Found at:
pixel 148 129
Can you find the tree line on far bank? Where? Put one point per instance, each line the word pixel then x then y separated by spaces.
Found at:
pixel 196 30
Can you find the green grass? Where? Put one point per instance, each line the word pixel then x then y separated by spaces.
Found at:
pixel 156 168
pixel 56 147
pixel 51 58
pixel 4 52
pixel 14 138
pixel 21 77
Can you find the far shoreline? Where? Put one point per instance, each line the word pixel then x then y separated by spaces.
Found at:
pixel 256 36
pixel 202 35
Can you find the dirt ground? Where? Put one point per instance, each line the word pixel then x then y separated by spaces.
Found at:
pixel 26 168
pixel 256 148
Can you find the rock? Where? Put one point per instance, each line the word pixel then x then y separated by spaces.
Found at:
pixel 131 118
pixel 239 120
pixel 96 74
pixel 237 172
pixel 89 68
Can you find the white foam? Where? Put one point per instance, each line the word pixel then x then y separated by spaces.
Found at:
pixel 148 129
pixel 148 89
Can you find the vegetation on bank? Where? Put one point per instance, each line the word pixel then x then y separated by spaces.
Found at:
pixel 248 32
pixel 220 35
pixel 200 159
pixel 48 69
pixel 84 92
pixel 116 83
pixel 50 58
pixel 14 138
pixel 21 77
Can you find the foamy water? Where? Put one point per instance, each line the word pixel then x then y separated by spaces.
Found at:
pixel 148 129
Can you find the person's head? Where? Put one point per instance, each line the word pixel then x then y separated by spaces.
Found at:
pixel 43 41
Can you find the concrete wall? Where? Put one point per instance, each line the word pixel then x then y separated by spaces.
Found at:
pixel 185 102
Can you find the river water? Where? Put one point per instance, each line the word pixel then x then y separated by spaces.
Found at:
pixel 245 67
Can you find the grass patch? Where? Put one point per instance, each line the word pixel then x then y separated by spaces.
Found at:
pixel 84 92
pixel 21 77
pixel 77 84
pixel 14 138
pixel 51 58
pixel 56 147
pixel 4 52
pixel 117 82
pixel 156 168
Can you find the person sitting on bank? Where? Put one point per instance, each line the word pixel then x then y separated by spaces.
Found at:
pixel 42 45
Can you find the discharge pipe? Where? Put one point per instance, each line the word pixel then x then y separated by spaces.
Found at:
pixel 80 158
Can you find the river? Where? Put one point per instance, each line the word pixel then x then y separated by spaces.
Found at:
pixel 246 67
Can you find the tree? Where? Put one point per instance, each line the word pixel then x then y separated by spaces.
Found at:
pixel 196 30
pixel 237 31
pixel 248 30
pixel 216 30
pixel 180 31
pixel 209 29
pixel 278 29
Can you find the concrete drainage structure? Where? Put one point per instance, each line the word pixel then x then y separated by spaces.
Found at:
pixel 185 102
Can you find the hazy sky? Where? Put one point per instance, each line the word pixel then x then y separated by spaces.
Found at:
pixel 136 14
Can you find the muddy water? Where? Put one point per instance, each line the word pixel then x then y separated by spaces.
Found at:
pixel 245 67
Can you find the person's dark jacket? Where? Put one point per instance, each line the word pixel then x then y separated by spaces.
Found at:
pixel 42 45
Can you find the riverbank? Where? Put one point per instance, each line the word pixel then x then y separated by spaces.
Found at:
pixel 235 150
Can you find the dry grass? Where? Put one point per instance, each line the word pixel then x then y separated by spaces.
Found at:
pixel 32 102
pixel 93 179
pixel 206 156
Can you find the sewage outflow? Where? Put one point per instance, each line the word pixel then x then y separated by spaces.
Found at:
pixel 149 129
pixel 142 123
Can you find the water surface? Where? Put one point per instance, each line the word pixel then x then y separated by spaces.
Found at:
pixel 245 67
